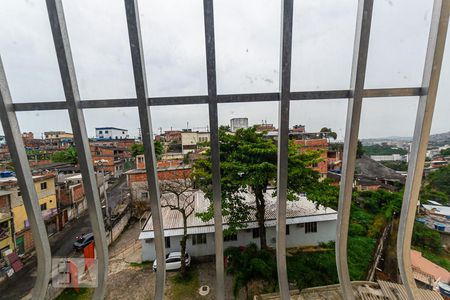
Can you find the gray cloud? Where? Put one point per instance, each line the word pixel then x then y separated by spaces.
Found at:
pixel 247 48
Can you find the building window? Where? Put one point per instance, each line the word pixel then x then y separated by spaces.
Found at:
pixel 100 132
pixel 167 241
pixel 44 206
pixel 106 131
pixel 310 227
pixel 198 239
pixel 43 185
pixel 144 195
pixel 19 194
pixel 255 232
pixel 230 237
pixel 287 229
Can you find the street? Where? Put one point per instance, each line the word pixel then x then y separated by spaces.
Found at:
pixel 21 283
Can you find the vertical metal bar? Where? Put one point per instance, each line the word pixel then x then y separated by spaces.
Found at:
pixel 287 7
pixel 360 50
pixel 140 81
pixel 72 94
pixel 430 82
pixel 208 11
pixel 26 185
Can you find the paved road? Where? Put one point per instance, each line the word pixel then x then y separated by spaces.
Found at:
pixel 22 282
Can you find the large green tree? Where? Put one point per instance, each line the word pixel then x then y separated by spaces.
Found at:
pixel 249 165
pixel 68 156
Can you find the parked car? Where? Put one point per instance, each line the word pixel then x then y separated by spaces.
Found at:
pixel 83 241
pixel 173 261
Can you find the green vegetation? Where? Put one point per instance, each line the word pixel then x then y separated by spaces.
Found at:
pixel 185 287
pixel 383 150
pixel 248 159
pixel 396 165
pixel 67 156
pixel 445 152
pixel 138 149
pixel 426 238
pixel 328 133
pixel 72 294
pixel 305 269
pixel 437 186
pixel 36 154
pixel 428 241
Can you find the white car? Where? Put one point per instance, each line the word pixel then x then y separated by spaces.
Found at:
pixel 173 261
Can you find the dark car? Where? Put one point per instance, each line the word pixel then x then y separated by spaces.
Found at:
pixel 83 241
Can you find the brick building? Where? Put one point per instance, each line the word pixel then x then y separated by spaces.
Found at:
pixel 109 159
pixel 319 144
pixel 167 170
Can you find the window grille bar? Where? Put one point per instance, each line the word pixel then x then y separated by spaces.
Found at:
pixel 208 11
pixel 140 81
pixel 360 50
pixel 76 116
pixel 26 185
pixel 283 143
pixel 227 98
pixel 430 82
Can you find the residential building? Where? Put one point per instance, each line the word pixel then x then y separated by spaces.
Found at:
pixel 109 159
pixel 265 127
pixel 6 224
pixel 392 157
pixel 427 273
pixel 191 139
pixel 238 123
pixel 111 133
pixel 320 145
pixel 27 136
pixel 167 170
pixel 124 144
pixel 307 225
pixel 71 195
pixel 52 135
pixel 46 192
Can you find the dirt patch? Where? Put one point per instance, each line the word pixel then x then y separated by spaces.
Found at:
pixel 132 283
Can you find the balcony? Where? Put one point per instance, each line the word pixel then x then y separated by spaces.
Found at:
pixel 74 106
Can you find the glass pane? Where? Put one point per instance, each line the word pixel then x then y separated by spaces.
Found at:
pixel 398 43
pixel 28 52
pixel 247 46
pixel 322 44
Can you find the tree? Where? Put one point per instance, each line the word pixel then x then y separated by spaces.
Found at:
pixel 68 156
pixel 360 150
pixel 178 194
pixel 138 149
pixel 249 166
pixel 328 132
pixel 437 186
pixel 445 152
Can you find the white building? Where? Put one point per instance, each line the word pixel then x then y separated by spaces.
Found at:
pixel 111 133
pixel 191 139
pixel 238 123
pixel 392 157
pixel 306 225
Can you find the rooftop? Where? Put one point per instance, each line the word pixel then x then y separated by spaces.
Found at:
pixel 299 211
pixel 363 290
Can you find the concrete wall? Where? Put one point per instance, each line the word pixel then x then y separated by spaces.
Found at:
pixel 326 231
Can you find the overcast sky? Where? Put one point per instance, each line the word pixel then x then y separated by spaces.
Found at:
pixel 247 48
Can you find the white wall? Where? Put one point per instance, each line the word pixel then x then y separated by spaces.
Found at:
pixel 111 134
pixel 326 231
